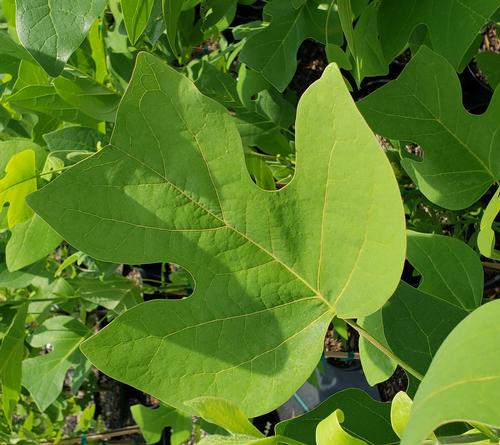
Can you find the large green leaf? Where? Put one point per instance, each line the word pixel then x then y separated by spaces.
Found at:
pixel 273 51
pixel 173 186
pixel 364 418
pixel 152 422
pixel 464 20
pixel 11 357
pixel 136 16
pixel 414 322
pixel 51 30
pixel 457 387
pixel 461 151
pixel 30 241
pixel 43 375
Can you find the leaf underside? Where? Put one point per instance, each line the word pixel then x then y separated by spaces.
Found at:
pixel 271 268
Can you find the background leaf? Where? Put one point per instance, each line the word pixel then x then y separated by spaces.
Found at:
pixel 43 375
pixel 464 19
pixel 51 30
pixel 136 15
pixel 461 157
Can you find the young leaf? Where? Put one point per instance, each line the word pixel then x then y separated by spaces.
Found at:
pixel 172 185
pixel 273 51
pixel 152 422
pixel 329 431
pixel 136 16
pixel 461 157
pixel 51 30
pixel 18 182
pixel 486 239
pixel 464 20
pixel 225 414
pixel 30 241
pixel 364 418
pixel 11 357
pixel 43 375
pixel 400 412
pixel 456 387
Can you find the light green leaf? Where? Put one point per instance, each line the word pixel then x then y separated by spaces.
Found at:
pixel 30 74
pixel 11 356
pixel 51 30
pixel 241 440
pixel 464 19
pixel 88 96
pixel 98 48
pixel 329 431
pixel 273 51
pixel 489 63
pixel 486 239
pixel 30 241
pixel 455 387
pixel 173 186
pixel 19 181
pixel 224 414
pixel 171 13
pixel 461 157
pixel 136 16
pixel 364 418
pixel 152 422
pixel 43 375
pixel 400 412
pixel 10 48
pixel 377 366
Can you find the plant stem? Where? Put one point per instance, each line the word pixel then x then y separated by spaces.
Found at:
pixel 383 349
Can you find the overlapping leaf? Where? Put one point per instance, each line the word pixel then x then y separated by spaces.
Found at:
pixel 271 269
pixel 273 51
pixel 456 387
pixel 364 418
pixel 461 151
pixel 136 16
pixel 43 375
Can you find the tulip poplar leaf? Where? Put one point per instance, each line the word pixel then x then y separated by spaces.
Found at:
pixel 271 269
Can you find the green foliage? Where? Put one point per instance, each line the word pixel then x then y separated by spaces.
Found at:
pixel 178 132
